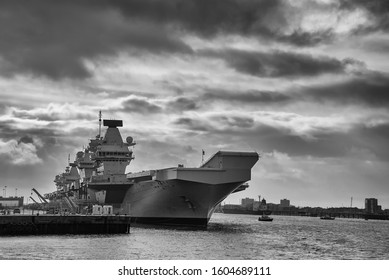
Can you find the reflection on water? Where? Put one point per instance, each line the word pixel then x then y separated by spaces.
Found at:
pixel 227 237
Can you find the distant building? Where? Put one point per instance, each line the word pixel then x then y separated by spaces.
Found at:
pixel 247 203
pixel 285 202
pixel 232 206
pixel 9 202
pixel 371 205
pixel 256 205
pixel 272 206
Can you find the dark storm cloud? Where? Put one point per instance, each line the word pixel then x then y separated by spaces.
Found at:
pixel 377 45
pixel 142 106
pixel 26 139
pixel 374 138
pixel 235 121
pixel 53 38
pixel 269 138
pixel 42 139
pixel 47 141
pixel 365 89
pixel 341 143
pixel 249 96
pixel 51 115
pixel 370 89
pixel 182 104
pixel 279 64
pixel 194 124
pixel 376 7
pixel 8 131
pixel 302 38
pixel 207 18
pixel 378 10
pixel 17 128
pixel 327 142
pixel 263 137
pixel 219 123
pixel 318 142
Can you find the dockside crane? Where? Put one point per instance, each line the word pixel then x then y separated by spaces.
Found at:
pixel 34 200
pixel 40 196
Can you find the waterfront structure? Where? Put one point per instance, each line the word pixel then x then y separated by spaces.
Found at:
pixel 247 206
pixel 376 211
pixel 256 205
pixel 371 205
pixel 247 203
pixel 285 202
pixel 63 224
pixel 11 202
pixel 175 196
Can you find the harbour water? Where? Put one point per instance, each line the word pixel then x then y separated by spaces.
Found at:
pixel 228 237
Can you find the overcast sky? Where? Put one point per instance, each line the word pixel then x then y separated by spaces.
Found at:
pixel 304 83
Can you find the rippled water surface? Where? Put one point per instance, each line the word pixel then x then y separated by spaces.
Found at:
pixel 227 237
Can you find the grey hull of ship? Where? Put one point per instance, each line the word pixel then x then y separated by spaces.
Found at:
pixel 176 196
pixel 176 202
pixel 171 202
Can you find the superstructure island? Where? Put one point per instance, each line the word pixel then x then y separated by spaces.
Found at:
pixel 169 196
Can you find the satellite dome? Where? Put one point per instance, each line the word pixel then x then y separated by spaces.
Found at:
pixel 129 140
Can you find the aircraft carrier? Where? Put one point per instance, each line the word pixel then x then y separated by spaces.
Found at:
pixel 169 196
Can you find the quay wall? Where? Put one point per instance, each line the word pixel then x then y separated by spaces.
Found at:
pixel 57 224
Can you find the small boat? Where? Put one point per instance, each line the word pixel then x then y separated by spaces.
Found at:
pixel 327 217
pixel 265 218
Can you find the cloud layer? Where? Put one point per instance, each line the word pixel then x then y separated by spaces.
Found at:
pixel 304 83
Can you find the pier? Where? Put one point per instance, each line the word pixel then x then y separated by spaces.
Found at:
pixel 63 224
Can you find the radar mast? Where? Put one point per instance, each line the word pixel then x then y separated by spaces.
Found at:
pixel 99 135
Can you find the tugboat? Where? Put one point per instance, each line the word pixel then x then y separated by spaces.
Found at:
pixel 265 212
pixel 327 217
pixel 265 218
